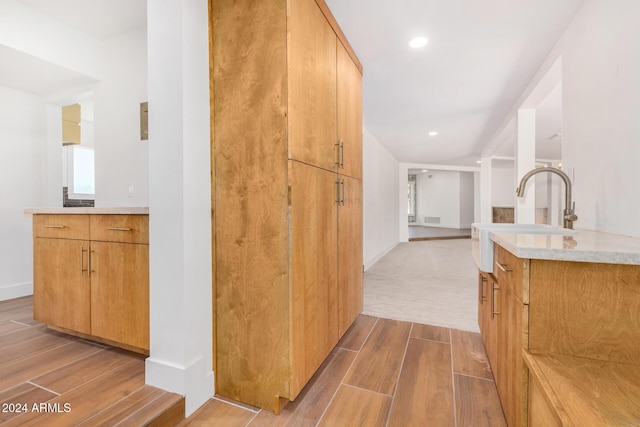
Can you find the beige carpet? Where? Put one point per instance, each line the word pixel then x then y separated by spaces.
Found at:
pixel 432 282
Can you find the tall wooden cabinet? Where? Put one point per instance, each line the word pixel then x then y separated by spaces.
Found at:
pixel 287 137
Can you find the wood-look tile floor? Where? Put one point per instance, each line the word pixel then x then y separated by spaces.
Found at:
pixel 384 373
pixel 52 379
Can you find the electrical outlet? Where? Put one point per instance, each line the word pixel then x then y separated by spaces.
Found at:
pixel 131 190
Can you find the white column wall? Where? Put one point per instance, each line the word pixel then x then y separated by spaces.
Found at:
pixel 525 151
pixel 179 200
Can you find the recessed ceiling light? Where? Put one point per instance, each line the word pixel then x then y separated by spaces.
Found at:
pixel 433 133
pixel 478 161
pixel 418 42
pixel 424 170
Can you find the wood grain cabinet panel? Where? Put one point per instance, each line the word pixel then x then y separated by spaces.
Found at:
pixel 314 292
pixel 120 228
pixel 288 283
pixel 312 86
pixel 120 293
pixel 61 226
pixel 61 284
pixel 349 94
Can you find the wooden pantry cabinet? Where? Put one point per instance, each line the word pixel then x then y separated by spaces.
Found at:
pixel 287 194
pixel 91 276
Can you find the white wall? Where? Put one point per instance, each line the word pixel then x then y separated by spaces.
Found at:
pixel 601 106
pixel 121 158
pixel 22 167
pixel 448 195
pixel 438 195
pixel 503 187
pixel 380 182
pixel 27 30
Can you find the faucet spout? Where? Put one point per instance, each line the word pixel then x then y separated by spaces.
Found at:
pixel 569 216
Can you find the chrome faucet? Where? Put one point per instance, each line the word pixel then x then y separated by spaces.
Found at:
pixel 569 209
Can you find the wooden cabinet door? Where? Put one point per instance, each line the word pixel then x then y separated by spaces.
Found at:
pixel 314 293
pixel 511 378
pixel 349 81
pixel 349 252
pixel 490 322
pixel 311 67
pixel 120 292
pixel 61 289
pixel 483 283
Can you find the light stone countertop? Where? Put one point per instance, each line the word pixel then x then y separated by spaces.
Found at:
pixel 90 211
pixel 585 246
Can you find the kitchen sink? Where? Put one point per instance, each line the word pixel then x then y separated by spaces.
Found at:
pixel 482 238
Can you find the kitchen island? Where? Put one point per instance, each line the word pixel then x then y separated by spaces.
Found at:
pixel 91 273
pixel 560 319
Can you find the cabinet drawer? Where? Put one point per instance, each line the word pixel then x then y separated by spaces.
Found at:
pixel 61 226
pixel 512 272
pixel 120 228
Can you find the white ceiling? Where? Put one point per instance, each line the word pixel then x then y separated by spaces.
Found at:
pixel 99 19
pixel 480 57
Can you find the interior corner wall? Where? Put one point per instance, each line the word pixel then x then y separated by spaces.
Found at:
pixel 121 158
pixel 380 192
pixel 22 168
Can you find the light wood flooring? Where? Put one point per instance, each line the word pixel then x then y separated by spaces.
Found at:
pixel 384 373
pixel 52 379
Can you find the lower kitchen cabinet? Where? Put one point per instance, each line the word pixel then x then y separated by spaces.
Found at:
pixel 61 285
pixel 96 289
pixel 120 293
pixel 349 253
pixel 504 323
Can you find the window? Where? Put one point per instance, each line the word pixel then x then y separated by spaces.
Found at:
pixel 81 176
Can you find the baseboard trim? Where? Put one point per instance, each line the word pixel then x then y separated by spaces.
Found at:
pixel 16 290
pixel 369 263
pixel 194 382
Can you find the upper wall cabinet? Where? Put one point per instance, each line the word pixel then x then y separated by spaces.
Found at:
pixel 349 81
pixel 311 60
pixel 71 124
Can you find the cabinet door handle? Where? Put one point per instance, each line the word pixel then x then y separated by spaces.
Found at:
pixel 338 153
pixel 54 226
pixel 81 260
pixel 493 297
pixel 503 267
pixel 119 229
pixel 342 184
pixel 483 298
pixel 338 192
pixel 89 268
pixel 342 155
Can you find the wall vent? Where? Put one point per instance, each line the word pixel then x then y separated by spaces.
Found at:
pixel 432 220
